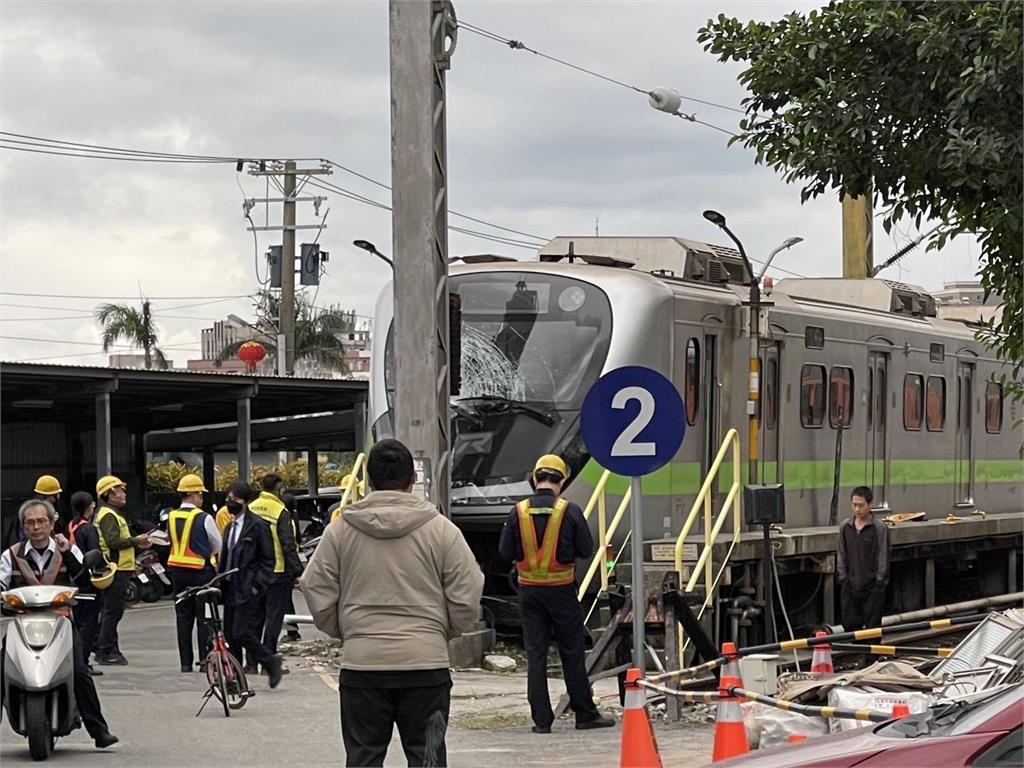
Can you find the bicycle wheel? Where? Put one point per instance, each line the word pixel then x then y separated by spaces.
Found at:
pixel 238 686
pixel 217 678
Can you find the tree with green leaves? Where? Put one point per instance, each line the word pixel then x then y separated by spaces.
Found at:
pixel 317 332
pixel 137 328
pixel 919 102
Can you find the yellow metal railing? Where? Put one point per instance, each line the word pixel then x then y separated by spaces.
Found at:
pixel 712 527
pixel 351 492
pixel 605 532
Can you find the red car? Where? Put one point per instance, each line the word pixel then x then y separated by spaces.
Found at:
pixel 984 733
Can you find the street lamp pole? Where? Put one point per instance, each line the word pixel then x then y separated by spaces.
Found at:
pixel 754 363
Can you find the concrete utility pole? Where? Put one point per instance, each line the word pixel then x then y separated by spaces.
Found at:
pixel 286 306
pixel 858 250
pixel 422 42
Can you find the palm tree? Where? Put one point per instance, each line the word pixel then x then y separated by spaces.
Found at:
pixel 316 333
pixel 120 321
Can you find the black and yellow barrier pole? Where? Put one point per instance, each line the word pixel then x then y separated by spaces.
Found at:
pixel 688 672
pixel 691 697
pixel 861 634
pixel 893 650
pixel 872 715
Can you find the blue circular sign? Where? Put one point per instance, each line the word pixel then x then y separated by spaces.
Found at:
pixel 633 421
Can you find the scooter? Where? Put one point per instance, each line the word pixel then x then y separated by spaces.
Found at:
pixel 150 582
pixel 38 665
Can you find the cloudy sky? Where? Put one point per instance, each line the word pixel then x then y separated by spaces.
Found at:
pixel 532 146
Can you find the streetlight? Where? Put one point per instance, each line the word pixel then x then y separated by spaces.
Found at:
pixel 366 245
pixel 788 243
pixel 719 221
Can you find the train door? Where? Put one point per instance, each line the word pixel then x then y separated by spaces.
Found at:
pixel 963 470
pixel 877 446
pixel 769 467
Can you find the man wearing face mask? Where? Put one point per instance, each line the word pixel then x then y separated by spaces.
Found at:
pixel 248 546
pixel 118 546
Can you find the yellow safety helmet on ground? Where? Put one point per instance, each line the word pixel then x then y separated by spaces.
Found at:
pixel 191 484
pixel 107 483
pixel 48 485
pixel 106 578
pixel 551 463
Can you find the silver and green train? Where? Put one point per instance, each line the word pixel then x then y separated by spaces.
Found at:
pixel 926 423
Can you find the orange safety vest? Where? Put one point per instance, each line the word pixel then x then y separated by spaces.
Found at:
pixel 182 555
pixel 73 526
pixel 539 566
pixel 48 577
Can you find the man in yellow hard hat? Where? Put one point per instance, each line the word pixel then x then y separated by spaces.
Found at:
pixel 545 535
pixel 119 546
pixel 48 489
pixel 195 542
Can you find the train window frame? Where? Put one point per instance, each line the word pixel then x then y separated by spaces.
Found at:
pixel 908 425
pixel 805 410
pixel 936 353
pixel 814 337
pixel 927 399
pixel 996 386
pixel 833 420
pixel 693 343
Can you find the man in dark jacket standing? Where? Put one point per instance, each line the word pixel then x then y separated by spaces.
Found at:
pixel 862 563
pixel 545 535
pixel 82 534
pixel 248 547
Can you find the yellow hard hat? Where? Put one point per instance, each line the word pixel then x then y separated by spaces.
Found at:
pixel 107 483
pixel 191 484
pixel 552 463
pixel 106 578
pixel 48 485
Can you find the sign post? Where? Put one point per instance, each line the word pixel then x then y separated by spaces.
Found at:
pixel 633 422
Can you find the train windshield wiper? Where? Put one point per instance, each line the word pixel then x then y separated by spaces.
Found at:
pixel 496 404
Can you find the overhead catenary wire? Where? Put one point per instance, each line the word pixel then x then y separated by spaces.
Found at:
pixel 518 45
pixel 97 297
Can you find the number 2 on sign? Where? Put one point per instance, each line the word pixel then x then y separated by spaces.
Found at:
pixel 625 444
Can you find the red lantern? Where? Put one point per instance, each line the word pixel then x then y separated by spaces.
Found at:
pixel 251 353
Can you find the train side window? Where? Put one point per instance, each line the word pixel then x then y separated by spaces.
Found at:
pixel 993 407
pixel 771 393
pixel 913 401
pixel 692 384
pixel 935 404
pixel 812 395
pixel 840 397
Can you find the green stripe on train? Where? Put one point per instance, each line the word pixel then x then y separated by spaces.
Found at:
pixel 684 478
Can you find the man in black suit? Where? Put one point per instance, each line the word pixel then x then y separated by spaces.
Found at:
pixel 248 546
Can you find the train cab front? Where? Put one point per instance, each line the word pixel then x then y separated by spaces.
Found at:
pixel 529 345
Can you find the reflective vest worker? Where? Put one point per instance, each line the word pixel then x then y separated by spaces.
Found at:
pixel 195 542
pixel 544 535
pixel 194 536
pixel 270 507
pixel 118 545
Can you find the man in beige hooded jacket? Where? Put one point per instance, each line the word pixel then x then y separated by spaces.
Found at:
pixel 394 580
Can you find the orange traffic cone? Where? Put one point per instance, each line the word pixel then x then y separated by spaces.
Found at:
pixel 730 733
pixel 899 709
pixel 639 749
pixel 821 661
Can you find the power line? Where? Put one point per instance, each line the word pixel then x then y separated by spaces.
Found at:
pixel 518 45
pixel 122 298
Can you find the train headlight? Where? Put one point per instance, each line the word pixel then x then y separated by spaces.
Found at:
pixel 572 298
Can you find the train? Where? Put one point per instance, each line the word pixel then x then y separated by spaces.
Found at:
pixel 926 419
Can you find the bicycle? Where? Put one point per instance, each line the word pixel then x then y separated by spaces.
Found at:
pixel 224 673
